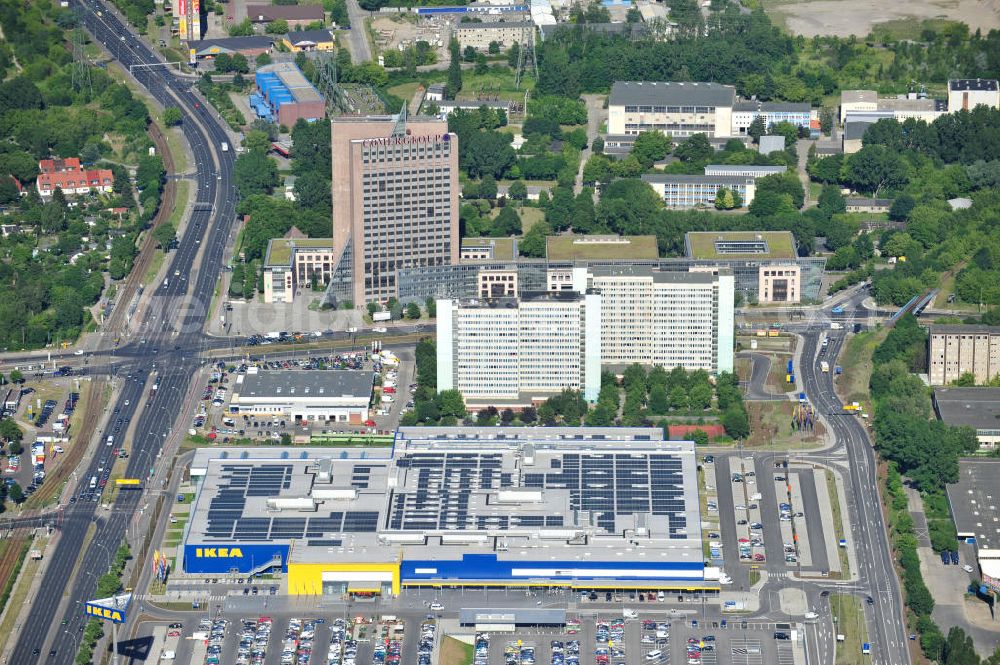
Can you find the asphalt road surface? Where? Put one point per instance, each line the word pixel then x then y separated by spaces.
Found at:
pixel 886 628
pixel 180 307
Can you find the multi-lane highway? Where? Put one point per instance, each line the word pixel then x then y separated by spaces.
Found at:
pixel 176 315
pixel 886 626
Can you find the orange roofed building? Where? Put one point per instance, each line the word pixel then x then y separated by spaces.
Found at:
pixel 68 175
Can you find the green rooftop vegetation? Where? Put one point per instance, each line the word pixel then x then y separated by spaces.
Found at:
pixel 703 244
pixel 582 248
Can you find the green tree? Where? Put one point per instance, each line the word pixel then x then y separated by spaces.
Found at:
pixel 413 311
pixel 518 190
pixel 255 173
pixel 10 432
pixel 735 421
pixel 700 396
pixel 875 168
pixel 482 66
pixel 172 116
pixel 257 140
pixel 831 201
pixel 494 47
pixel 15 493
pixel 659 404
pixel 724 199
pixel 286 439
pixel 16 376
pixel 242 29
pixel 533 243
pixel 164 234
pixel 651 147
pixel 488 188
pixel 431 306
pixel 507 223
pixel 695 149
pixel 278 27
pixel 901 207
pixel 263 59
pixel 678 398
pixel 699 436
pixel 757 128
pixel 454 69
pixel 451 403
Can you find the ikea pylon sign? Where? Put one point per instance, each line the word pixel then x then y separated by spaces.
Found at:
pixel 109 609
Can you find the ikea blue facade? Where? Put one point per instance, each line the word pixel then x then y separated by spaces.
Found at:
pixel 205 558
pixel 479 568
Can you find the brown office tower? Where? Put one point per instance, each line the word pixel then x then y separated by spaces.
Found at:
pixel 395 200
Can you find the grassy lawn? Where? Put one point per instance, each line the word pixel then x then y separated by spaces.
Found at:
pixel 155 263
pixel 849 621
pixel 529 216
pixel 455 652
pixel 404 90
pixel 838 524
pixel 857 363
pixel 754 576
pixel 501 76
pixel 783 343
pixel 175 143
pixel 902 29
pixel 21 586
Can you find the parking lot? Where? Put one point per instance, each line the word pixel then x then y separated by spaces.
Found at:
pixel 769 516
pixel 610 639
pixel 317 638
pixel 392 397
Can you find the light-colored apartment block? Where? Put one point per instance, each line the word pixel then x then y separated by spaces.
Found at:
pixel 292 263
pixel 745 112
pixel 395 199
pixel 698 191
pixel 519 351
pixel 955 350
pixel 505 33
pixel 676 108
pixel 665 318
pixel 967 94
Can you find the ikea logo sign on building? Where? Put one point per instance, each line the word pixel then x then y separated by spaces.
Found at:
pixel 218 553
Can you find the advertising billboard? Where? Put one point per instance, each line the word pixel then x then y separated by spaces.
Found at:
pixel 113 609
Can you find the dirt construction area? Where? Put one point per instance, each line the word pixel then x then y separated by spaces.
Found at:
pixel 398 31
pixel 857 17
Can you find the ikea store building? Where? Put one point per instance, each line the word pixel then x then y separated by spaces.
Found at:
pixel 589 508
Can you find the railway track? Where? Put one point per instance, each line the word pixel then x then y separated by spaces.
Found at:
pixel 131 286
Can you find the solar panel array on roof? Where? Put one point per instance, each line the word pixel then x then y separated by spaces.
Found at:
pixel 225 520
pixel 443 485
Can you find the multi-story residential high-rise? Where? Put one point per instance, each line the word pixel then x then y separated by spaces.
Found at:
pixel 665 318
pixel 395 200
pixel 955 350
pixel 516 351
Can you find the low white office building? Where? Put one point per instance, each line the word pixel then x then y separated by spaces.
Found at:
pixel 341 396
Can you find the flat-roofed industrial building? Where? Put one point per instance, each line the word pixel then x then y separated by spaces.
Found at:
pixel 328 395
pixel 613 508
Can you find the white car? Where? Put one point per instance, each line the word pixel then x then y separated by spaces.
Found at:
pixel 967 568
pixel 380 330
pixel 78 352
pixel 436 606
